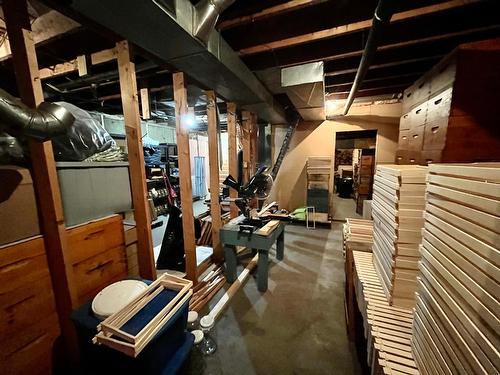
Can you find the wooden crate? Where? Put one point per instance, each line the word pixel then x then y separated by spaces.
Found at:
pixel 457 312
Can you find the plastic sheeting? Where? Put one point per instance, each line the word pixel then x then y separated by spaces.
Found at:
pixel 85 138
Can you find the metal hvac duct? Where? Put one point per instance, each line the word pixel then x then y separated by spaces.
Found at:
pixel 45 122
pixel 206 14
pixel 168 31
pixel 381 18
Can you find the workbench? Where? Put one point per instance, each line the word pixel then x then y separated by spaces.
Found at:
pixel 231 237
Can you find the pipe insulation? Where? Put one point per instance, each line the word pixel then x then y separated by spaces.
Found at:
pixel 381 18
pixel 48 120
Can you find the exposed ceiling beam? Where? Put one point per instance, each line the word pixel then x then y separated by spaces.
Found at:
pixel 393 89
pixel 444 43
pixel 352 27
pixel 377 82
pixel 268 12
pixel 46 27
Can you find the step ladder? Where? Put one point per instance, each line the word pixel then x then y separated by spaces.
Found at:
pixel 284 147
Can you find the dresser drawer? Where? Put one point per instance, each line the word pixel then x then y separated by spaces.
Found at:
pixel 31 348
pixel 19 307
pixel 431 156
pixel 418 115
pixel 439 106
pixel 87 240
pixel 443 76
pixel 99 271
pixel 22 264
pixel 408 157
pixel 403 139
pixel 435 134
pixel 416 138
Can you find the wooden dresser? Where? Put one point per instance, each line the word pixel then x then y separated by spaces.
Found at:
pixel 451 113
pixel 29 323
pixel 97 255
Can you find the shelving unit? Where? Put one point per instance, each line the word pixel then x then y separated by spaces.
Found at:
pixel 318 171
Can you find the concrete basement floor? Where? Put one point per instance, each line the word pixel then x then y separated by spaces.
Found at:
pixel 298 325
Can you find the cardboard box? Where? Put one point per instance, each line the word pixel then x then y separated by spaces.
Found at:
pixel 18 210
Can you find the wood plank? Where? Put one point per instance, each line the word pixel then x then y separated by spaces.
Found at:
pixel 352 27
pixel 44 171
pixel 267 12
pixel 130 105
pixel 253 143
pixel 81 64
pixel 245 144
pixel 213 157
pixel 146 113
pixel 46 27
pixel 103 56
pixel 59 69
pixel 232 153
pixel 186 188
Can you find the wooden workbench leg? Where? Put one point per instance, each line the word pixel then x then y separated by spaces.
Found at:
pixel 280 246
pixel 262 270
pixel 231 263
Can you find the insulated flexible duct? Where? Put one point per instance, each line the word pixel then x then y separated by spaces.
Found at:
pixel 45 122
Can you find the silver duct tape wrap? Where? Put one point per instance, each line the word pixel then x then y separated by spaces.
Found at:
pixel 45 122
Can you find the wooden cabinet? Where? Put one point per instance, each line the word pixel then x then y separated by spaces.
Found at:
pixel 451 113
pixel 29 323
pixel 97 255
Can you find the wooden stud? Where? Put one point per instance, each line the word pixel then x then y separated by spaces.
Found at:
pixel 245 143
pixel 103 56
pixel 146 113
pixel 81 64
pixel 44 171
pixel 254 131
pixel 130 104
pixel 182 131
pixel 213 157
pixel 232 154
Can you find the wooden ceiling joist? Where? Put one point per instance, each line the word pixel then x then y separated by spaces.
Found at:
pixel 352 27
pixel 268 12
pixel 44 28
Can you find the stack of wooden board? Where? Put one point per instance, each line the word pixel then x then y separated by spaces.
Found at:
pixel 397 210
pixel 456 327
pixel 318 183
pixel 387 329
pixel 358 235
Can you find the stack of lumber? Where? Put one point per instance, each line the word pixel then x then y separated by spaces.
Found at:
pixel 386 328
pixel 358 235
pixel 204 291
pixel 397 210
pixel 206 230
pixel 456 327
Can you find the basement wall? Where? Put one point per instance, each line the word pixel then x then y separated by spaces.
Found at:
pixel 318 139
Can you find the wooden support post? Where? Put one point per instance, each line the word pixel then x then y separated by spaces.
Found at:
pixel 130 104
pixel 44 172
pixel 254 130
pixel 232 153
pixel 213 157
pixel 182 131
pixel 146 113
pixel 245 143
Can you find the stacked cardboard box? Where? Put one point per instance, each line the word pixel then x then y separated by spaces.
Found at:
pixel 397 210
pixel 457 322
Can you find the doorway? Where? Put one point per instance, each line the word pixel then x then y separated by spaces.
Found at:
pixel 354 165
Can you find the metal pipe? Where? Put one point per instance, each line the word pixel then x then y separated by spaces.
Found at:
pixel 45 122
pixel 381 18
pixel 207 13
